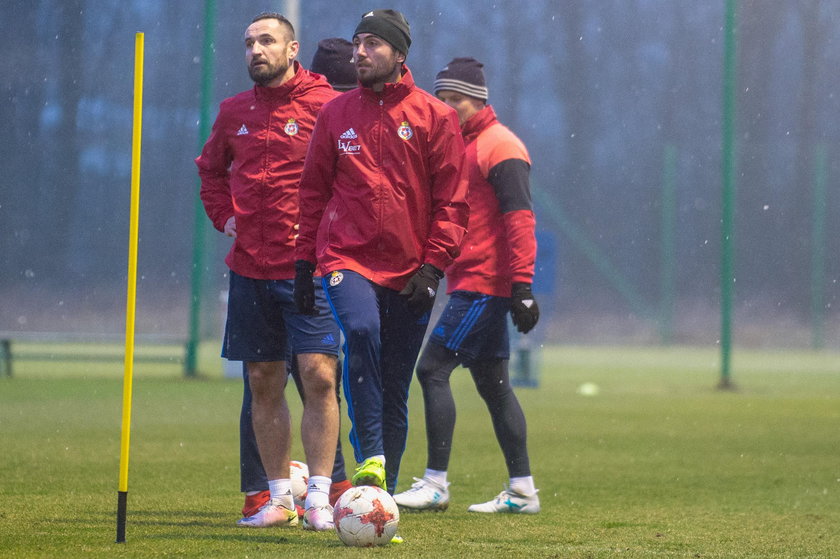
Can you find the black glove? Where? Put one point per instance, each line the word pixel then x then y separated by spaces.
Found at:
pixel 304 293
pixel 523 307
pixel 422 288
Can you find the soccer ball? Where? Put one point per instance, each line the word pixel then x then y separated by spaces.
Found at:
pixel 366 516
pixel 300 481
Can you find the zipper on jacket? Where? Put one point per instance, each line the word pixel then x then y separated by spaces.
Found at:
pixel 262 260
pixel 381 181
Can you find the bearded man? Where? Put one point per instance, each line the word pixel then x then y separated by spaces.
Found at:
pixel 382 211
pixel 249 171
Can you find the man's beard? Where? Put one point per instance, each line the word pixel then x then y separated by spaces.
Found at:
pixel 382 76
pixel 264 74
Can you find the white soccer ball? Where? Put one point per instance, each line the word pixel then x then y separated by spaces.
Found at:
pixel 366 516
pixel 299 473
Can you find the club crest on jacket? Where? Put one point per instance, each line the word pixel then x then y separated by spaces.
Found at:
pixel 404 131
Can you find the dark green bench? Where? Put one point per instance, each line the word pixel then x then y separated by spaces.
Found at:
pixel 154 348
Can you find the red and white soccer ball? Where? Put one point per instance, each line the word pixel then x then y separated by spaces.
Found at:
pixel 366 516
pixel 299 473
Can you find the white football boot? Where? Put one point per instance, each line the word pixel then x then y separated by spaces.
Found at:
pixel 319 518
pixel 424 494
pixel 273 513
pixel 510 502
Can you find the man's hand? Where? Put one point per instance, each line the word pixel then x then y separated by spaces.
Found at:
pixel 230 226
pixel 523 307
pixel 304 290
pixel 422 288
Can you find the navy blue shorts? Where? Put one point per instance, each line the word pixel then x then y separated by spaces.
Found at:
pixel 263 323
pixel 474 326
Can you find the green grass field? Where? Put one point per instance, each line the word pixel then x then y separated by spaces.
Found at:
pixel 658 464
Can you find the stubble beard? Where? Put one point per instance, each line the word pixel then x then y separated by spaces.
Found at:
pixel 382 76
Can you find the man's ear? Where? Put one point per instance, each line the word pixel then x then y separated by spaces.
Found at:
pixel 293 49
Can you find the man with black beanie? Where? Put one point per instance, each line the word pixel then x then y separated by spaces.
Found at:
pixel 382 211
pixel 491 278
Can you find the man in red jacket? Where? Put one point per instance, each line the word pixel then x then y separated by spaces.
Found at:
pixel 332 59
pixel 490 278
pixel 382 211
pixel 249 171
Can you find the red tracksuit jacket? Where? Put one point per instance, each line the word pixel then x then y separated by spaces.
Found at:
pixel 250 168
pixel 500 247
pixel 382 191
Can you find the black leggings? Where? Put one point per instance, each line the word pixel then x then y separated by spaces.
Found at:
pixel 493 383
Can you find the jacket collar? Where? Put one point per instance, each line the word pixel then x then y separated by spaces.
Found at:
pixel 392 92
pixel 283 90
pixel 477 123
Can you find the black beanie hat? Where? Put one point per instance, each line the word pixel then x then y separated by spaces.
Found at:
pixel 388 24
pixel 334 59
pixel 464 75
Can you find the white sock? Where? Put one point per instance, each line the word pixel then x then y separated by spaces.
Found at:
pixel 380 456
pixel 436 476
pixel 282 489
pixel 318 491
pixel 523 485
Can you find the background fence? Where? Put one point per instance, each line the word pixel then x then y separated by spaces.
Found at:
pixel 619 103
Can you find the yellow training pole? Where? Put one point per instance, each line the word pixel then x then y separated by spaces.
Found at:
pixel 131 291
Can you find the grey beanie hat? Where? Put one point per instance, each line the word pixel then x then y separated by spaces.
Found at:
pixel 464 75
